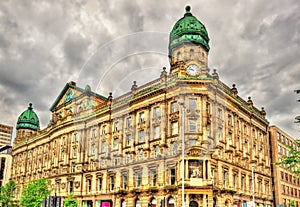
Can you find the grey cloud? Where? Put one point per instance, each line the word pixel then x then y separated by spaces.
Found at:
pixel 106 44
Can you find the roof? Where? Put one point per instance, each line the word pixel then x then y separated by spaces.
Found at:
pixel 188 29
pixel 28 119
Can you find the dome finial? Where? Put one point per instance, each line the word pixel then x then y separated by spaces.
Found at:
pixel 188 9
pixel 30 106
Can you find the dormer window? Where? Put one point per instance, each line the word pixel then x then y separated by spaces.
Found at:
pixel 178 56
pixel 191 53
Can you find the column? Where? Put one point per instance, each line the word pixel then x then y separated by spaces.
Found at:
pixel 186 169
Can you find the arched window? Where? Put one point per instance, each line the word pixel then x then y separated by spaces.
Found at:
pixel 123 203
pixel 137 203
pixel 178 56
pixel 171 202
pixel 193 204
pixel 153 202
pixel 191 53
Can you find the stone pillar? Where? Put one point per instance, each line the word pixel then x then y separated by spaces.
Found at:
pixel 186 169
pixel 204 200
pixel 204 169
pixel 187 200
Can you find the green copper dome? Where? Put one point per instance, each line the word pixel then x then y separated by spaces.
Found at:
pixel 188 29
pixel 28 119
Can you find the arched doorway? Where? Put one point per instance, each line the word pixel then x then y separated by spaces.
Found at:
pixel 153 202
pixel 123 203
pixel 171 202
pixel 193 204
pixel 137 203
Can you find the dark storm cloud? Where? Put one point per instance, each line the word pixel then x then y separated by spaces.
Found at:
pixel 44 44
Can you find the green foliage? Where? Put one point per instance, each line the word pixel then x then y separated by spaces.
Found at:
pixel 70 202
pixel 292 161
pixel 7 194
pixel 34 193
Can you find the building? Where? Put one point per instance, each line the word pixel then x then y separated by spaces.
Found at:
pixel 5 153
pixel 5 165
pixel 286 186
pixel 5 134
pixel 127 151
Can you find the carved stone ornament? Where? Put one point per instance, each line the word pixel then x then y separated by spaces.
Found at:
pixel 63 185
pixel 77 184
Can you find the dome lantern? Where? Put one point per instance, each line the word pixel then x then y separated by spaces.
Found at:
pixel 28 120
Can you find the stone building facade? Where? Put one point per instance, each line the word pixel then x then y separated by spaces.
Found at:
pixel 286 186
pixel 127 151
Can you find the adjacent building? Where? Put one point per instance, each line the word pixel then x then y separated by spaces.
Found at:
pixel 5 153
pixel 286 186
pixel 185 128
pixel 5 134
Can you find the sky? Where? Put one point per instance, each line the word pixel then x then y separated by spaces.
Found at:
pixel 108 44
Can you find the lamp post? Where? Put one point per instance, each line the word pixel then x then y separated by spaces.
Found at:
pixel 253 198
pixel 181 103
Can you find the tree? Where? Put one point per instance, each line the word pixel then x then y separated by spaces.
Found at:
pixel 70 202
pixel 34 193
pixel 292 161
pixel 7 194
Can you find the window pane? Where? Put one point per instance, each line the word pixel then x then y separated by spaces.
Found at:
pixel 192 104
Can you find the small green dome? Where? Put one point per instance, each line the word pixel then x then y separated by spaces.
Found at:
pixel 28 119
pixel 188 29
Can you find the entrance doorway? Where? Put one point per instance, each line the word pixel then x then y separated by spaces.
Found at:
pixel 193 204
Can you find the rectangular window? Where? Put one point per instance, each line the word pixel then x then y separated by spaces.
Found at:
pixel 89 185
pixel 278 136
pixel 153 177
pixel 73 167
pixel 74 152
pixel 99 184
pixel 192 104
pixel 174 128
pixel 229 120
pixel 129 122
pixel 224 178
pixel 220 113
pixel 70 187
pixel 124 181
pixel 141 136
pixel 112 183
pixel 243 183
pixel 76 137
pixel 127 157
pixel 220 133
pixel 128 139
pixel 103 146
pixel 207 108
pixel 192 142
pixel 192 123
pixel 93 149
pixel 234 181
pixel 156 112
pixel 172 176
pixel 141 117
pixel 208 128
pixel 138 179
pixel 156 132
pixel 117 126
pixel 116 143
pixel 174 107
pixel 104 129
pixel 94 133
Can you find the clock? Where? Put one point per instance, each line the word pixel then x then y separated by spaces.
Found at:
pixel 193 70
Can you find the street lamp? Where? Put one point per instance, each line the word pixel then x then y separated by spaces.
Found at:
pixel 181 103
pixel 253 198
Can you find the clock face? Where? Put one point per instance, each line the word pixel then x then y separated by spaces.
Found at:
pixel 193 70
